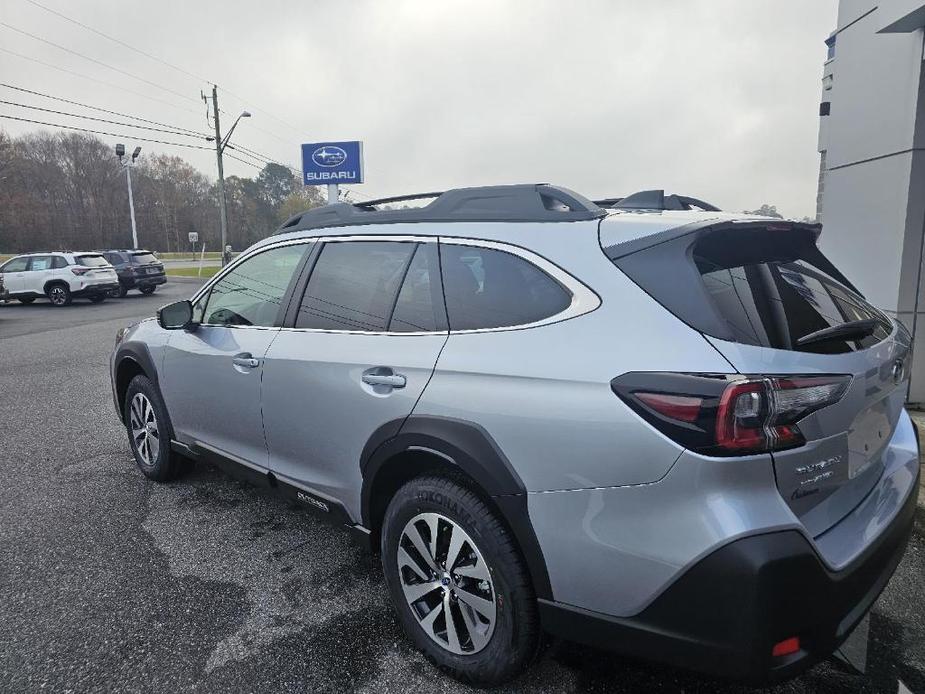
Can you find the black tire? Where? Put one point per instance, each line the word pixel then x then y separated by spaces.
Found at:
pixel 118 293
pixel 97 298
pixel 165 465
pixel 27 299
pixel 148 290
pixel 59 294
pixel 515 640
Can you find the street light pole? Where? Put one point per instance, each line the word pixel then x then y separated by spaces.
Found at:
pixel 220 145
pixel 127 165
pixel 131 204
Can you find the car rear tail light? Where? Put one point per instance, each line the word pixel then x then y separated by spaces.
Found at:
pixel 80 270
pixel 786 647
pixel 728 415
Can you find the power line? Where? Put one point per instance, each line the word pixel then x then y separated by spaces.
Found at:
pixel 155 58
pixel 99 120
pixel 243 161
pixel 97 108
pixel 101 132
pixel 118 41
pixel 99 81
pixel 94 60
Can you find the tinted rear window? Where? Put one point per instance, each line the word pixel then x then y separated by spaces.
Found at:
pixel 754 286
pixel 143 258
pixel 91 260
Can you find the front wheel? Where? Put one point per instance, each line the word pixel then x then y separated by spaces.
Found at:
pixel 59 295
pixel 149 431
pixel 147 290
pixel 458 582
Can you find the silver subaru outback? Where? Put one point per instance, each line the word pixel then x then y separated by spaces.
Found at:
pixel 640 423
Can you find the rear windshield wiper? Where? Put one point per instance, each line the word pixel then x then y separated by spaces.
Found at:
pixel 852 330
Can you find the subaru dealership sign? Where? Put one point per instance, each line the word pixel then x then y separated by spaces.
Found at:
pixel 324 163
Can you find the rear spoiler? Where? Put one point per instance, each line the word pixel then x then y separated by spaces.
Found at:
pixel 809 231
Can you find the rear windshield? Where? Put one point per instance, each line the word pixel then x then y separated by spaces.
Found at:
pixel 143 258
pixel 757 287
pixel 91 260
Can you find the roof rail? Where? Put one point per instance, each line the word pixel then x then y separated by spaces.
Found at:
pixel 656 200
pixel 532 202
pixel 398 198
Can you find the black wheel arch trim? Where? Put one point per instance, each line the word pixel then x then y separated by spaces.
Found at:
pixel 141 355
pixel 469 447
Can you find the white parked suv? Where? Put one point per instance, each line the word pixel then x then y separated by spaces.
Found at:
pixel 59 276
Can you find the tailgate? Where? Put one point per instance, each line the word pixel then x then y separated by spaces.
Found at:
pixel 844 454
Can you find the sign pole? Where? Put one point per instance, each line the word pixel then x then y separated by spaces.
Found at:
pixel 333 193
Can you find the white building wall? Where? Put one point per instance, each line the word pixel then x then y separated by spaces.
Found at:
pixel 872 190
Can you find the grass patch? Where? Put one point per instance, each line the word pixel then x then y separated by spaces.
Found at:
pixel 208 271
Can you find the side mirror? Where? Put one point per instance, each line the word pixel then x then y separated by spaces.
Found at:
pixel 176 316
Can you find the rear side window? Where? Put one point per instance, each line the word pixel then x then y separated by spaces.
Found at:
pixel 354 284
pixel 419 306
pixel 58 262
pixel 755 286
pixel 40 262
pixel 91 260
pixel 487 288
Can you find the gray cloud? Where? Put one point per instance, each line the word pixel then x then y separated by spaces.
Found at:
pixel 714 98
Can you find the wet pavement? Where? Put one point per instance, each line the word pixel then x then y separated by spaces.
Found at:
pixel 112 583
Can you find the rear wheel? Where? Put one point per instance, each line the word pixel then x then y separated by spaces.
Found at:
pixel 458 582
pixel 27 300
pixel 148 290
pixel 59 295
pixel 150 432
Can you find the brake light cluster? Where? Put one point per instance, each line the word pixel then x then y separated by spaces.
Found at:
pixel 77 270
pixel 723 415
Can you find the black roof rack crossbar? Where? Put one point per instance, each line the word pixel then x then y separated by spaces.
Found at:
pixel 656 200
pixel 532 202
pixel 398 198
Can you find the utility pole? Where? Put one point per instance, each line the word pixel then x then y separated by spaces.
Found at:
pixel 221 174
pixel 220 145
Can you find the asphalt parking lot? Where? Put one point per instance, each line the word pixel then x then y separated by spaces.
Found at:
pixel 109 582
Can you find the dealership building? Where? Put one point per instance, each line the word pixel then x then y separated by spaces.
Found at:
pixel 871 197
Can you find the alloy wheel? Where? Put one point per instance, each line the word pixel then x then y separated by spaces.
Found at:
pixel 447 583
pixel 57 295
pixel 145 433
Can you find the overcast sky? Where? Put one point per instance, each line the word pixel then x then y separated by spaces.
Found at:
pixel 715 99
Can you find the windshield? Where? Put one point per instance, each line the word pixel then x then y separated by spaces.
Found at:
pixel 143 258
pixel 91 260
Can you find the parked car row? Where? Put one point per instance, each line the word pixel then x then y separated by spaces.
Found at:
pixel 62 276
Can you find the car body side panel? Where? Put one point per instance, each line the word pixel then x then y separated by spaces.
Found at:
pixel 318 413
pixel 544 394
pixel 614 549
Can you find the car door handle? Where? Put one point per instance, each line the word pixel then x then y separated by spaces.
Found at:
pixel 393 380
pixel 246 362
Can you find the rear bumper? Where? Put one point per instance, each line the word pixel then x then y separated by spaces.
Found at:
pixel 132 281
pixel 95 289
pixel 725 613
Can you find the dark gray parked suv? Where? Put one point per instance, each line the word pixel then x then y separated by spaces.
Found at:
pixel 137 269
pixel 645 424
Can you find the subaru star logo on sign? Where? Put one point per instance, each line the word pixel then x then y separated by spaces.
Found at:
pixel 332 162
